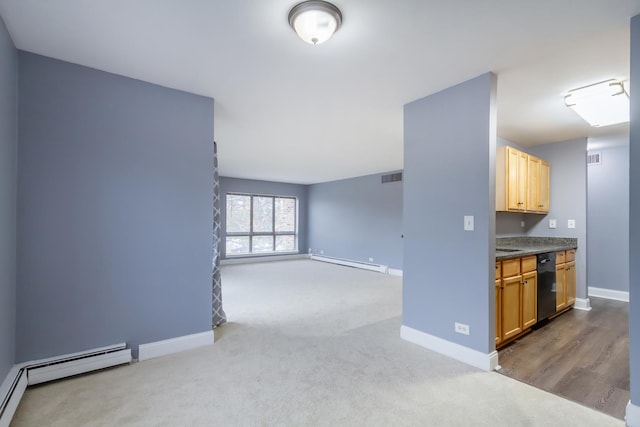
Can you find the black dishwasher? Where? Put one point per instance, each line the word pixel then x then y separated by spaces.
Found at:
pixel 546 269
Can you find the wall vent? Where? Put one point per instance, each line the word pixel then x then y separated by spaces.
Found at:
pixel 392 177
pixel 594 158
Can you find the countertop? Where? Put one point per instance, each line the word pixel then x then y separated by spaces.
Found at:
pixel 524 246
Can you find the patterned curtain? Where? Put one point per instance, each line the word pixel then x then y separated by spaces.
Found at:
pixel 218 316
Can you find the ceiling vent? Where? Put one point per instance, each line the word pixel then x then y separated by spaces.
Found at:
pixel 392 177
pixel 594 159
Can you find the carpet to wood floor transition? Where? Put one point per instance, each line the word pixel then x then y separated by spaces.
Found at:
pixel 307 344
pixel 582 356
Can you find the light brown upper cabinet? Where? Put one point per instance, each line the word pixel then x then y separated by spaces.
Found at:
pixel 538 200
pixel 522 182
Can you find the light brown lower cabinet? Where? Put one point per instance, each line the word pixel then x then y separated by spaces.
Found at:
pixel 571 282
pixel 561 286
pixel 565 279
pixel 511 307
pixel 529 299
pixel 516 298
pixel 517 292
pixel 498 311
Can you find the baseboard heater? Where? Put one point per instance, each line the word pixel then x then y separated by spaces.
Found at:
pixel 356 264
pixel 40 371
pixel 78 363
pixel 12 390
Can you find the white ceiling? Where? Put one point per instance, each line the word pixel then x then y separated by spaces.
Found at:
pixel 292 112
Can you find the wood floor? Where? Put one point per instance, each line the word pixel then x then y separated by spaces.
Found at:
pixel 582 356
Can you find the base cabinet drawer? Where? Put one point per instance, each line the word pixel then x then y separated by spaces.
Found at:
pixel 511 267
pixel 529 264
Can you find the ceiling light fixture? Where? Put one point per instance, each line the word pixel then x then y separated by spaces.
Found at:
pixel 600 104
pixel 315 21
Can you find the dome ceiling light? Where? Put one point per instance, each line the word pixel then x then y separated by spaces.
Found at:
pixel 315 21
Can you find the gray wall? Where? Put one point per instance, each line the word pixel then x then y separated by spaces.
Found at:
pixel 8 171
pixel 608 215
pixel 249 186
pixel 568 167
pixel 634 212
pixel 114 210
pixel 448 272
pixel 357 219
pixel 509 224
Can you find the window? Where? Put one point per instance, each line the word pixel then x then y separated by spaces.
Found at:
pixel 260 224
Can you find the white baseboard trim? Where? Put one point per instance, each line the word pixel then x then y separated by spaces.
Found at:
pixel 11 392
pixel 356 264
pixel 394 272
pixel 608 294
pixel 583 304
pixel 262 258
pixel 174 345
pixel 632 417
pixel 486 362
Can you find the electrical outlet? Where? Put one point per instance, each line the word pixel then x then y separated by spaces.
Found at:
pixel 571 223
pixel 553 223
pixel 370 259
pixel 461 328
pixel 522 224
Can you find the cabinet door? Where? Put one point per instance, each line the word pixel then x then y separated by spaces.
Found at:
pixel 523 187
pixel 533 200
pixel 561 286
pixel 511 322
pixel 543 191
pixel 498 311
pixel 512 179
pixel 571 282
pixel 529 299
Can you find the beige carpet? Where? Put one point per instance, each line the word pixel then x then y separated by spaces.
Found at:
pixel 308 344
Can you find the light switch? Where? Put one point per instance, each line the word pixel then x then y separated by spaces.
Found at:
pixel 468 223
pixel 553 223
pixel 571 223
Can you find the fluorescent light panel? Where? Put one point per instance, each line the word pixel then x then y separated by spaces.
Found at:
pixel 601 104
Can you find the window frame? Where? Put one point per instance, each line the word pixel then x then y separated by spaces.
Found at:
pixel 250 234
